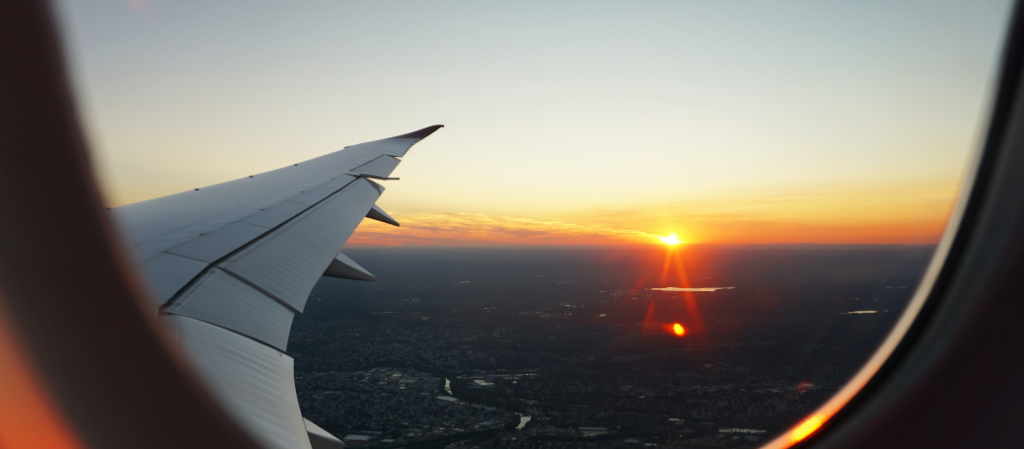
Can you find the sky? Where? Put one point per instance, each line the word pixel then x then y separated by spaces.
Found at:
pixel 566 122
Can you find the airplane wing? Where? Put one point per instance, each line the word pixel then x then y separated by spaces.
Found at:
pixel 231 264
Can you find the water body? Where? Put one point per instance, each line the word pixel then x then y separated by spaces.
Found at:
pixel 523 419
pixel 447 386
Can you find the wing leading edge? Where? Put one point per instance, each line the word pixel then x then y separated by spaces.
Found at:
pixel 232 263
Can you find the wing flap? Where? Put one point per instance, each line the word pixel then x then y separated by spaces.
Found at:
pixel 320 438
pixel 223 300
pixel 288 262
pixel 253 381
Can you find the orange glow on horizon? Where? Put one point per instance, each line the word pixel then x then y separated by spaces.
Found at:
pixel 883 215
pixel 806 428
pixel 678 329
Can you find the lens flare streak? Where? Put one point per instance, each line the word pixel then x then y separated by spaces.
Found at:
pixel 806 428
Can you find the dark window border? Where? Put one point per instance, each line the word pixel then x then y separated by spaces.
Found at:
pixel 954 379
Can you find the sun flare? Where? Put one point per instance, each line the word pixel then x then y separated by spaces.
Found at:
pixel 671 239
pixel 678 329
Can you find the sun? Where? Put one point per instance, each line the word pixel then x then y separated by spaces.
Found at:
pixel 671 239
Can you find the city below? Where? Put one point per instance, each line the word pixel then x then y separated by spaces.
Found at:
pixel 545 348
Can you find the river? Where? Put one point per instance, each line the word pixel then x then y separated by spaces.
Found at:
pixel 523 419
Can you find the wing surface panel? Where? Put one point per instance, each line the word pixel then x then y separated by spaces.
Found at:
pixel 168 273
pixel 380 167
pixel 204 210
pixel 231 264
pixel 315 195
pixel 208 225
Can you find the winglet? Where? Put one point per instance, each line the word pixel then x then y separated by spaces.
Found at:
pixel 419 134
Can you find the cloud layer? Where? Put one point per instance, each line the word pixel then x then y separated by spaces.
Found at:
pixel 883 215
pixel 486 230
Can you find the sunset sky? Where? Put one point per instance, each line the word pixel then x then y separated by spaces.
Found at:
pixel 566 123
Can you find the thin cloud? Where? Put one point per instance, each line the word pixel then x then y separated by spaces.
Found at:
pixel 482 229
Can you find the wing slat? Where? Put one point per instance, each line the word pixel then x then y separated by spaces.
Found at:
pixel 275 215
pixel 219 243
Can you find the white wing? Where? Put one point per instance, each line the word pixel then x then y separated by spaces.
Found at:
pixel 232 263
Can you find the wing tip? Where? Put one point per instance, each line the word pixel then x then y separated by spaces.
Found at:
pixel 419 134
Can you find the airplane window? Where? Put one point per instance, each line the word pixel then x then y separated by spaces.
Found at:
pixel 646 225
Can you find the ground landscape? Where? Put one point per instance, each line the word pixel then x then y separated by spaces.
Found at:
pixel 526 348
